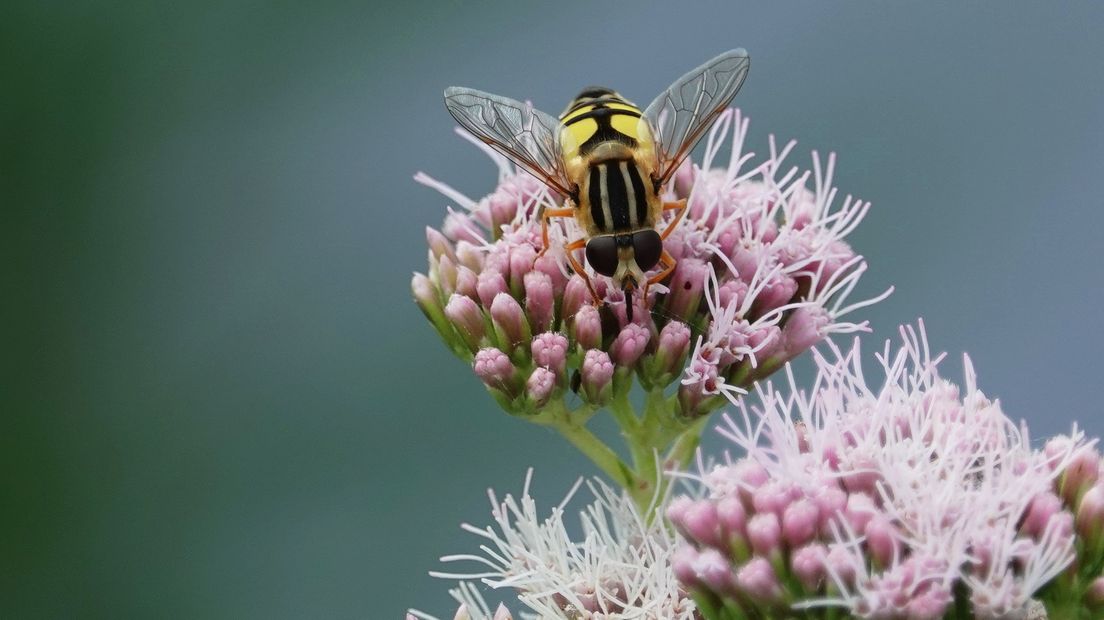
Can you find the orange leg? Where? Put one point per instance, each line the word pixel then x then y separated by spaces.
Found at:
pixel 545 216
pixel 667 206
pixel 569 249
pixel 669 263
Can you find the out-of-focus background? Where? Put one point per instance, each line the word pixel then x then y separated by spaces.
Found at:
pixel 217 399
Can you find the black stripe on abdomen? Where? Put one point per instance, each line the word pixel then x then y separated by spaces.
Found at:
pixel 618 195
pixel 594 195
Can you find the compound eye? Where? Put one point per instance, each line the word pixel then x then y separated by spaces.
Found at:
pixel 601 255
pixel 647 248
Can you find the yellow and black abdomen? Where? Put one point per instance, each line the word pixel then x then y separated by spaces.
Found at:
pixel 603 130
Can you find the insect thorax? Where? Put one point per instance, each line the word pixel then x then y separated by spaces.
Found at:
pixel 608 150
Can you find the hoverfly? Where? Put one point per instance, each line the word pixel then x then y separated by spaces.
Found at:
pixel 611 160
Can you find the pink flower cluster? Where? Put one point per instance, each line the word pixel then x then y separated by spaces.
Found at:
pixel 895 501
pixel 763 273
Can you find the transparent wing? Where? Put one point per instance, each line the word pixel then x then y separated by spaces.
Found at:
pixel 529 137
pixel 682 114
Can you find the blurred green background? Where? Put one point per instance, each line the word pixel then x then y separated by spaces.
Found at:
pixel 218 400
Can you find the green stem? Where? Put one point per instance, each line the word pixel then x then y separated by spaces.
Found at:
pixel 573 428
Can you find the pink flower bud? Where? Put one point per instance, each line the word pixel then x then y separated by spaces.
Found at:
pixel 807 564
pixel 539 300
pixel 425 294
pixel 860 509
pixel 1094 595
pixel 1082 472
pixel 462 227
pixel 629 344
pixel 439 244
pixel 732 293
pixel 597 374
pixel 495 369
pixel 683 562
pixel 773 497
pixel 778 291
pixel 1056 449
pixel 490 284
pixel 676 510
pixel 575 296
pixel 701 524
pixel 733 518
pixel 799 523
pixel 830 501
pixel 467 283
pixel 502 613
pixel 469 256
pixel 764 533
pixel 687 286
pixel 467 318
pixel 1090 513
pixel 674 344
pixel 540 385
pixel 930 604
pixel 462 613
pixel 881 540
pixel 840 562
pixel 549 266
pixel 715 571
pixel 1042 508
pixel 510 320
pixel 550 351
pixel 804 328
pixel 521 263
pixel 446 275
pixel 588 327
pixel 758 581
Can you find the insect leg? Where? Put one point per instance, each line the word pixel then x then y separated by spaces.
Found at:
pixel 545 216
pixel 569 249
pixel 669 262
pixel 667 206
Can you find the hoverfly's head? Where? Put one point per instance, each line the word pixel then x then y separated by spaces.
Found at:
pixel 625 258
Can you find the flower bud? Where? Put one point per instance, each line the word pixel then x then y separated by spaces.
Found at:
pixel 677 508
pixel 1042 508
pixel 539 300
pixel 439 244
pixel 425 293
pixel 804 328
pixel 715 571
pixel 807 564
pixel 510 321
pixel 683 562
pixel 764 533
pixel 495 369
pixel 830 501
pixel 597 376
pixel 588 327
pixel 502 613
pixel 550 351
pixel 773 497
pixel 489 285
pixel 467 283
pixel 629 344
pixel 777 291
pixel 839 562
pixel 758 581
pixel 470 256
pixel 701 524
pixel 540 385
pixel 467 318
pixel 881 540
pixel 1079 475
pixel 687 286
pixel 799 523
pixel 521 263
pixel 446 275
pixel 860 509
pixel 1094 595
pixel 674 344
pixel 550 266
pixel 575 296
pixel 733 517
pixel 1090 514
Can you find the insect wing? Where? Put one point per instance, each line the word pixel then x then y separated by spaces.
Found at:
pixel 528 137
pixel 680 116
